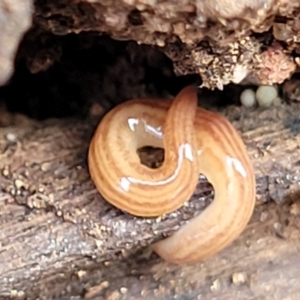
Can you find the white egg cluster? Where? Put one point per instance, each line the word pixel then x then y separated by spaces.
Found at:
pixel 265 96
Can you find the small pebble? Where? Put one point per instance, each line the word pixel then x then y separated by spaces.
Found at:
pixel 81 273
pixel 216 286
pixel 11 137
pixel 239 278
pixel 266 94
pixel 19 184
pixel 247 98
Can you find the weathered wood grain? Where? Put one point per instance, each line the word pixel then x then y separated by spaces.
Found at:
pixel 59 238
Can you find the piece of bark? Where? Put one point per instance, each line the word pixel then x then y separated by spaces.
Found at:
pixel 157 23
pixel 58 237
pixel 15 20
pixel 213 38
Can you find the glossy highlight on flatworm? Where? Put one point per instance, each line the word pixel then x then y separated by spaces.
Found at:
pixel 195 141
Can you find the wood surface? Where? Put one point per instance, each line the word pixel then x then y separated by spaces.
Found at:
pixel 60 240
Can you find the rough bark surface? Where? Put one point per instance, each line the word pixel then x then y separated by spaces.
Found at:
pixel 223 41
pixel 160 21
pixel 59 238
